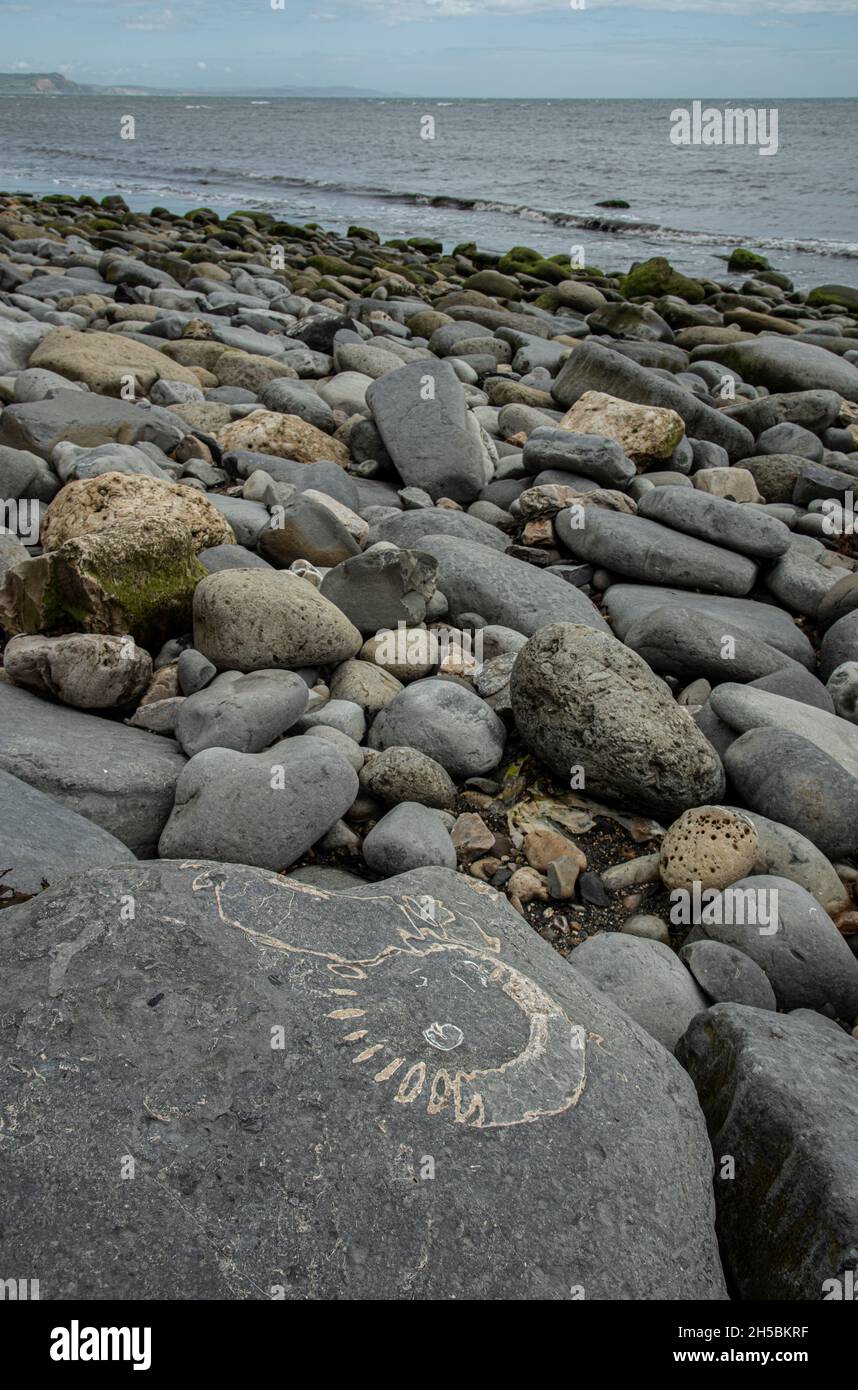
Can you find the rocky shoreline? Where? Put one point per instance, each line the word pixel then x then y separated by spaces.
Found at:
pixel 428 740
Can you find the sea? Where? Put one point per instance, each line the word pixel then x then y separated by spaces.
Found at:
pixel 496 172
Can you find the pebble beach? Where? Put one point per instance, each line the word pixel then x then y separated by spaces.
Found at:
pixel 428 735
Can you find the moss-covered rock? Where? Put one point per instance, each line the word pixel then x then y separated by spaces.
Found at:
pixel 656 277
pixel 363 234
pixel 428 245
pixel 334 265
pixel 555 270
pixel 138 578
pixel 844 296
pixel 519 258
pixel 743 259
pixel 493 282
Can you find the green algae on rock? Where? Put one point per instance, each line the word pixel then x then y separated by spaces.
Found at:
pixel 137 579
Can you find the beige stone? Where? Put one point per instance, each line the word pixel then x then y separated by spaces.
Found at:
pixel 365 684
pixel 542 847
pixel 710 846
pixel 104 361
pixel 164 684
pixel 96 504
pixel 644 432
pixel 736 484
pixel 249 370
pixel 409 654
pixel 284 436
pixel 85 670
pixel 472 836
pixel 257 620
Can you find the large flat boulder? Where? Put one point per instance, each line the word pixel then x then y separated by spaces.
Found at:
pixel 655 554
pixel 82 417
pixel 783 365
pixel 317 1087
pixel 42 841
pixel 121 778
pixel 503 590
pixel 105 362
pixel 628 602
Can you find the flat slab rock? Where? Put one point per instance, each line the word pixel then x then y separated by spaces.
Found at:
pixel 287 1066
pixel 627 602
pixel 780 1095
pixel 121 778
pixel 42 841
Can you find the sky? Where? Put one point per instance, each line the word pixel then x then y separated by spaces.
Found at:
pixel 731 49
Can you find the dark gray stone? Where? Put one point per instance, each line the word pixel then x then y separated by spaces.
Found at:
pixel 784 365
pixel 23 474
pixel 840 644
pixel 724 523
pixel 795 683
pixel 244 712
pixel 643 978
pixel 408 529
pixel 588 455
pixel 744 707
pixel 82 417
pixel 286 396
pixel 410 836
pixel 505 591
pixel 728 976
pixel 194 671
pixel 258 808
pixel 421 415
pixel 445 720
pixel 793 940
pixel 231 557
pixel 790 439
pixel 655 554
pixel 304 529
pixel 799 582
pixel 679 642
pixel 174 1015
pixel 382 588
pixel 120 778
pixel 815 410
pixel 789 779
pixel 627 602
pixel 775 475
pixel 780 1095
pixel 247 519
pixel 42 841
pixel 324 476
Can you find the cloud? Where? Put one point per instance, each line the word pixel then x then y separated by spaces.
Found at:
pixel 152 23
pixel 399 10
